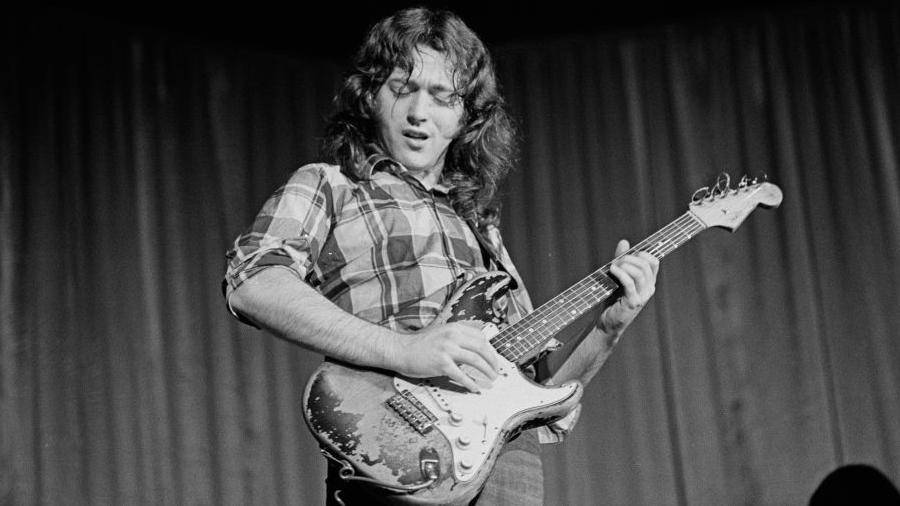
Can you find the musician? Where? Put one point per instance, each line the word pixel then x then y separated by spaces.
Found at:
pixel 353 258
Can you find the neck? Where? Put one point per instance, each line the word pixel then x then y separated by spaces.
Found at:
pixel 429 177
pixel 524 339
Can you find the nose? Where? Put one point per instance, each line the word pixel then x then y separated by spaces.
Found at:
pixel 416 111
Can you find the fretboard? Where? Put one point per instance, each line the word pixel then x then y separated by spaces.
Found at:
pixel 523 339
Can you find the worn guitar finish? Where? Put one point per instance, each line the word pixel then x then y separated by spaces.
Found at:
pixel 358 414
pixel 429 441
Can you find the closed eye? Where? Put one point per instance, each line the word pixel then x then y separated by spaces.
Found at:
pixel 401 89
pixel 441 94
pixel 446 97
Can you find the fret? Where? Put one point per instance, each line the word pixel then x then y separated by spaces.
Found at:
pixel 533 330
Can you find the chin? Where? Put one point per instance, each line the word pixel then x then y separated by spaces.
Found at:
pixel 414 164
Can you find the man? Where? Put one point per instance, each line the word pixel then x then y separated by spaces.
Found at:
pixel 355 258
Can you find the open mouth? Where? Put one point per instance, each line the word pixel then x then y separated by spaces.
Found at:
pixel 414 134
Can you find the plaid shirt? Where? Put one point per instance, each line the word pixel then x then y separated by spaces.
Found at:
pixel 383 248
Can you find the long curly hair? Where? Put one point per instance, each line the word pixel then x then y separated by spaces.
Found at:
pixel 482 153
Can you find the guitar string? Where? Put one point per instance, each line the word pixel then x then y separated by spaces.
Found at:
pixel 586 293
pixel 683 227
pixel 680 225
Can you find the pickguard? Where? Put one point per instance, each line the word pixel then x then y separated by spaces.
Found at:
pixel 478 424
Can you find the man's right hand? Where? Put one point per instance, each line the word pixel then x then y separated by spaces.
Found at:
pixel 441 350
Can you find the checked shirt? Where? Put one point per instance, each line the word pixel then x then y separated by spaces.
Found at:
pixel 383 248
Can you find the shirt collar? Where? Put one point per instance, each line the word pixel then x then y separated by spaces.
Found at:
pixel 379 161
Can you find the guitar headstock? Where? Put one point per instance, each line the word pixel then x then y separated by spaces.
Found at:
pixel 727 207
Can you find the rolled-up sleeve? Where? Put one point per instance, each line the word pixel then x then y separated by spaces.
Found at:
pixel 288 232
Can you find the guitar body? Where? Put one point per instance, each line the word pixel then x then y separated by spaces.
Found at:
pixel 429 441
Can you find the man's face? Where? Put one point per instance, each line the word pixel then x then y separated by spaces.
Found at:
pixel 419 115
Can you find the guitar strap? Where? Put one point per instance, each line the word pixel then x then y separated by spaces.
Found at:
pixel 490 253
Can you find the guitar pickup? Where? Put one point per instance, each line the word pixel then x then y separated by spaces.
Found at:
pixel 413 411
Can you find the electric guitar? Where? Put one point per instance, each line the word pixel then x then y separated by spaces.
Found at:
pixel 429 441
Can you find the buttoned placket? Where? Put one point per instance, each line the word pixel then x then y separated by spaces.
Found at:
pixel 430 196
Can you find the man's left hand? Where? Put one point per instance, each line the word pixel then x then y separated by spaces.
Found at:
pixel 637 275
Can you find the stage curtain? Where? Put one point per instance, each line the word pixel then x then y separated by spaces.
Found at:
pixel 769 356
pixel 130 159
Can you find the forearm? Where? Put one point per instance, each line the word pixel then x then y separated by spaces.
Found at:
pixel 586 359
pixel 636 275
pixel 292 310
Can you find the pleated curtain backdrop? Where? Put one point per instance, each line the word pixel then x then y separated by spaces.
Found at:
pixel 130 160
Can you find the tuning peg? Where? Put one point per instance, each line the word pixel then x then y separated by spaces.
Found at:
pixel 724 180
pixel 699 195
pixel 722 185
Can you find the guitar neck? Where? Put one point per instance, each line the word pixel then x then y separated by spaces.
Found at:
pixel 524 339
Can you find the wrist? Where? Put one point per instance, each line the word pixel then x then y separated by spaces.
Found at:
pixel 390 350
pixel 611 328
pixel 617 317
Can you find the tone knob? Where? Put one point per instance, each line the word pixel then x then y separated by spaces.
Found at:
pixel 465 463
pixel 463 441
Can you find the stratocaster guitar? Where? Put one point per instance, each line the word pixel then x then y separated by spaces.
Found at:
pixel 429 441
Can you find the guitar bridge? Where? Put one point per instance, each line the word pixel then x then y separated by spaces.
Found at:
pixel 413 411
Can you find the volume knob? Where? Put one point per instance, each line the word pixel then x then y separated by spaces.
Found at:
pixel 456 418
